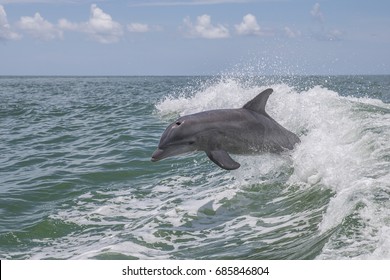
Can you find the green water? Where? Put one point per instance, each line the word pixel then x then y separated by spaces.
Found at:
pixel 76 180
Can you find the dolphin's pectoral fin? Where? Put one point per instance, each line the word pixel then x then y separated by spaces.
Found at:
pixel 223 159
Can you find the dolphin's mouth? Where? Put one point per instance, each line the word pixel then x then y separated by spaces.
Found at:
pixel 170 151
pixel 157 155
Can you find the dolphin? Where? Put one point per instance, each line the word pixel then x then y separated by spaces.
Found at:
pixel 246 130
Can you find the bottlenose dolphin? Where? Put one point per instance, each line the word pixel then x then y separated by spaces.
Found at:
pixel 246 130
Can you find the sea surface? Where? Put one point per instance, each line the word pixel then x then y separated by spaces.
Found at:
pixel 76 180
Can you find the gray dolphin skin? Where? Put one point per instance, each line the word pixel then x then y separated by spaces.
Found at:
pixel 246 130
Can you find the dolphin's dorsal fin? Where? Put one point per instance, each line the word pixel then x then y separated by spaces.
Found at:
pixel 257 104
pixel 222 159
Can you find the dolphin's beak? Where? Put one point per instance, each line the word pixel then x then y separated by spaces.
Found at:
pixel 170 151
pixel 157 155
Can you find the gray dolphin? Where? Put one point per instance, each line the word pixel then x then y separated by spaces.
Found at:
pixel 246 130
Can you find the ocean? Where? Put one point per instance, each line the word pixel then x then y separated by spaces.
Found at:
pixel 76 180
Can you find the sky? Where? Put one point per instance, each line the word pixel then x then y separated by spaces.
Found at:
pixel 194 37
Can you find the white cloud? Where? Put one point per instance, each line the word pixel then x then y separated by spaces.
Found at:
pixel 39 28
pixel 320 30
pixel 291 33
pixel 100 27
pixel 335 35
pixel 324 34
pixel 138 27
pixel 330 35
pixel 65 24
pixel 5 29
pixel 317 13
pixel 248 26
pixel 204 29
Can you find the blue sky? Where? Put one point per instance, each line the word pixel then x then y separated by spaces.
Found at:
pixel 194 37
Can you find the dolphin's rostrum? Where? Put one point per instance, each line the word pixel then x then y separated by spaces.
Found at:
pixel 246 130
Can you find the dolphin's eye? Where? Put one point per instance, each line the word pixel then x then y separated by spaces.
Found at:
pixel 191 143
pixel 178 123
